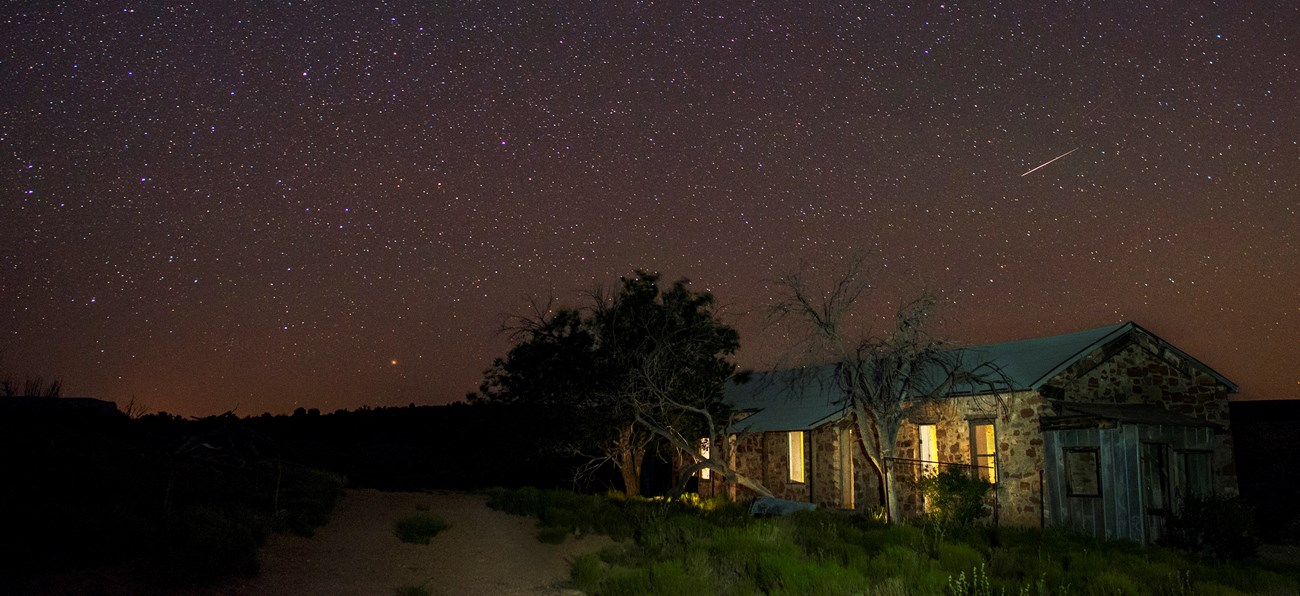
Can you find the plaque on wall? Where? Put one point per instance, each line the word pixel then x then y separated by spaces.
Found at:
pixel 1082 473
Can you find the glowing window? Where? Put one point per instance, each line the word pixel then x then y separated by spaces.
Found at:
pixel 704 450
pixel 927 449
pixel 796 456
pixel 983 450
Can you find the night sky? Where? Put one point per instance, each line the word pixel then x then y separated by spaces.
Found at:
pixel 267 205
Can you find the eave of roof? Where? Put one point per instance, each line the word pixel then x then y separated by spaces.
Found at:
pixel 1146 414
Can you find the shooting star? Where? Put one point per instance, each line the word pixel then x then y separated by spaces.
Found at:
pixel 1049 162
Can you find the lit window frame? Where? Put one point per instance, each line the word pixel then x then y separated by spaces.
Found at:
pixel 985 462
pixel 927 435
pixel 705 473
pixel 797 454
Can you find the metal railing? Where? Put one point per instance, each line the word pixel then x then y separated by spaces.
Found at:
pixel 908 471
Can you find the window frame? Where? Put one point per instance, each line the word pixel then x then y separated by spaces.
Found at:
pixel 705 473
pixel 1074 491
pixel 797 474
pixel 928 467
pixel 988 473
pixel 1182 459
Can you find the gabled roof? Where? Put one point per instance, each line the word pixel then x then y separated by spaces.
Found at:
pixel 1032 363
pixel 802 399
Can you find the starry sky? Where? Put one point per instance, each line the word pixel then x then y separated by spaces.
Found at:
pixel 270 205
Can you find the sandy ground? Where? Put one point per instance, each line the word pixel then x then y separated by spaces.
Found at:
pixel 356 553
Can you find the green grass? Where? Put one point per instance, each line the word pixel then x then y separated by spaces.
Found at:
pixel 698 547
pixel 419 528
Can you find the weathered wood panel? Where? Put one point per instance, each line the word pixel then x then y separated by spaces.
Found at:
pixel 1052 502
pixel 1128 494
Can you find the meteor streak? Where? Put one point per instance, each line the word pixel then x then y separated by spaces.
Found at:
pixel 1048 162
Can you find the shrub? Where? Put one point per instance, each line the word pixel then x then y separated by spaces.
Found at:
pixel 206 544
pixel 958 557
pixel 569 511
pixel 955 496
pixel 419 528
pixel 1219 527
pixel 552 534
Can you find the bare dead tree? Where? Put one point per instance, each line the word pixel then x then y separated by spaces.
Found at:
pixel 879 375
pixel 33 387
pixel 671 404
pixel 134 409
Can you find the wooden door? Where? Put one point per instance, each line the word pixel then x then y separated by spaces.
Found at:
pixel 1155 488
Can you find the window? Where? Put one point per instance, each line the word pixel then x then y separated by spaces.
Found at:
pixel 796 456
pixel 1195 468
pixel 983 449
pixel 1082 472
pixel 1154 462
pixel 927 449
pixel 704 450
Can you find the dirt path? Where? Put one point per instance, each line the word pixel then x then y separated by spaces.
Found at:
pixel 356 553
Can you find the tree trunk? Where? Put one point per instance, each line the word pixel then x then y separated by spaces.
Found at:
pixel 891 495
pixel 880 455
pixel 630 457
pixel 631 470
pixel 889 440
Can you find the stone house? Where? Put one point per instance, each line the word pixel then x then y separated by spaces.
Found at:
pixel 1105 431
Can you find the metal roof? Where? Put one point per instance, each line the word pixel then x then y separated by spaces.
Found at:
pixel 1030 363
pixel 798 399
pixel 805 398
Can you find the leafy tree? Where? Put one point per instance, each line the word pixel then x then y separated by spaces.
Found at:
pixel 589 374
pixel 554 378
pixel 677 376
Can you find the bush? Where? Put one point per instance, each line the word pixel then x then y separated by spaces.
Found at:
pixel 419 528
pixel 1219 527
pixel 958 557
pixel 206 544
pixel 552 535
pixel 306 499
pixel 955 497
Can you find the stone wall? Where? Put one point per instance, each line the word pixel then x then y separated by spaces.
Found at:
pixel 1141 370
pixel 765 457
pixel 1018 457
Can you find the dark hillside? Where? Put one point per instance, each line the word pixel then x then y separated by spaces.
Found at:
pixel 94 499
